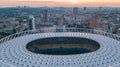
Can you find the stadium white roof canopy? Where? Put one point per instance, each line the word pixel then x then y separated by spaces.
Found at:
pixel 13 53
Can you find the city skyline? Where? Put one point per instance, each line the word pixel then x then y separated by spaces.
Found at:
pixel 52 3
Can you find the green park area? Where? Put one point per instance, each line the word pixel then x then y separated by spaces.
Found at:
pixel 3 34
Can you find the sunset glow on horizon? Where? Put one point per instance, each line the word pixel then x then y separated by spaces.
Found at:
pixel 59 3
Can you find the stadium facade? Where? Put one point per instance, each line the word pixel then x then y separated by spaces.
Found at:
pixel 13 51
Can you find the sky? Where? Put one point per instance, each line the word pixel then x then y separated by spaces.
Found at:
pixel 69 3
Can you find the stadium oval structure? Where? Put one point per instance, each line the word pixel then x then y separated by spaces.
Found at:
pixel 13 52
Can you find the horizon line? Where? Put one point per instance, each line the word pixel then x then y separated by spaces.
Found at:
pixel 53 6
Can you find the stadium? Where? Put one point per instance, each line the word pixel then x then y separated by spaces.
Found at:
pixel 63 47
